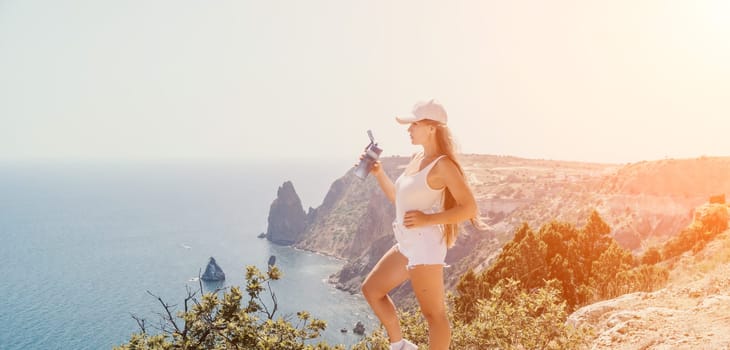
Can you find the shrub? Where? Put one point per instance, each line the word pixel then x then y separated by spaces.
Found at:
pixel 651 256
pixel 718 199
pixel 514 318
pixel 709 221
pixel 217 323
pixel 511 318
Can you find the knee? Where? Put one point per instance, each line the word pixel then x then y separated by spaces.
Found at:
pixel 366 289
pixel 435 315
pixel 369 291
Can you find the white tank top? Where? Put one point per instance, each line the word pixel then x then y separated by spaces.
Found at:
pixel 412 192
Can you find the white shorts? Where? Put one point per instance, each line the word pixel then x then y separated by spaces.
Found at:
pixel 422 245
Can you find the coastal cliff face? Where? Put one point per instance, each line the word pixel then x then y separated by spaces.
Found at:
pixel 644 203
pixel 351 207
pixel 354 223
pixel 287 219
pixel 373 235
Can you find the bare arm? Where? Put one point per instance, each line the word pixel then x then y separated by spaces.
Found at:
pixel 446 174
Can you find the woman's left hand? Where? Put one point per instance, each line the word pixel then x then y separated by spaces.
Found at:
pixel 415 218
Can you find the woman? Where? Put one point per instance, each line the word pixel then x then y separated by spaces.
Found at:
pixel 431 198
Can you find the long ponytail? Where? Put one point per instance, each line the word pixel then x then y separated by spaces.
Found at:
pixel 447 146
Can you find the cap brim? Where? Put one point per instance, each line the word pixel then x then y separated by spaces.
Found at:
pixel 407 120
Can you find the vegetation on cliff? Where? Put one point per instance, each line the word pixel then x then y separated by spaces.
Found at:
pixel 709 221
pixel 585 265
pixel 231 321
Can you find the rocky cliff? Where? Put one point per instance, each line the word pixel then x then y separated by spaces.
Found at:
pixel 287 220
pixel 353 213
pixel 354 223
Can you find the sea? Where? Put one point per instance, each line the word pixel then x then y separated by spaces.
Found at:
pixel 85 245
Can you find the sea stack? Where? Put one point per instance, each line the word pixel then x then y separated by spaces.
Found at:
pixel 213 272
pixel 287 219
pixel 359 328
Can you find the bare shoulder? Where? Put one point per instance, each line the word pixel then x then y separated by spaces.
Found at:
pixel 446 167
pixel 444 173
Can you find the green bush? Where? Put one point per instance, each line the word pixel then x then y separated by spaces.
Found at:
pixel 512 318
pixel 215 323
pixel 515 318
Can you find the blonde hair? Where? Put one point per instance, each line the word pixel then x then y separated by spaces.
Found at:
pixel 447 146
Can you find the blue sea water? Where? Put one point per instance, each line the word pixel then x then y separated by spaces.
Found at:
pixel 83 242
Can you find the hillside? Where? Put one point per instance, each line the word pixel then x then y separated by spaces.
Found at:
pixel 644 203
pixel 691 312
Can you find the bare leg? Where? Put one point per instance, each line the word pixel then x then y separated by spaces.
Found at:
pixel 428 285
pixel 387 274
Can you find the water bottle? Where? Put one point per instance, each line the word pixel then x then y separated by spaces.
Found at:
pixel 372 153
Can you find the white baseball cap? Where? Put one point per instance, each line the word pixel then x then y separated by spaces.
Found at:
pixel 425 110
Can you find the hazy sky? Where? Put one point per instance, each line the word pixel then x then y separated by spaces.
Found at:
pixel 610 81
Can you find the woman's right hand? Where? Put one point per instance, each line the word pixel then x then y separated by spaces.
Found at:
pixel 383 180
pixel 375 169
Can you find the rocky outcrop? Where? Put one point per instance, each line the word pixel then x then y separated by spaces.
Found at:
pixel 287 220
pixel 213 272
pixel 359 328
pixel 354 223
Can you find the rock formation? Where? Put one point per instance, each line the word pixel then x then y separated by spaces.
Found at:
pixel 287 219
pixel 337 225
pixel 213 272
pixel 359 328
pixel 354 223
